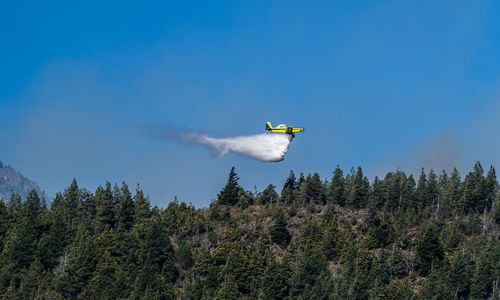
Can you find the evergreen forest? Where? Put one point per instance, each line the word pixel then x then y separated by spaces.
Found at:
pixel 435 236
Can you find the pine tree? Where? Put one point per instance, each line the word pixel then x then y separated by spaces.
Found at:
pixel 429 250
pixel 269 195
pixel 376 198
pixel 205 271
pixel 474 190
pixel 496 209
pixel 71 204
pixel 288 191
pixel 421 191
pixel 279 233
pixel 312 190
pixel 490 188
pixel 397 263
pixel 309 270
pixel 458 277
pixel 103 284
pixel 391 190
pixel 451 200
pixel 53 241
pixel 358 193
pixel 125 211
pixel 157 246
pixel 237 265
pixel 228 289
pixel 185 255
pixel 105 210
pixel 22 249
pixel 434 287
pixel 431 189
pixel 336 189
pixel 274 281
pixel 141 205
pixel 330 243
pixel 229 195
pixel 481 282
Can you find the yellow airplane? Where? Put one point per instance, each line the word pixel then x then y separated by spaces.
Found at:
pixel 282 128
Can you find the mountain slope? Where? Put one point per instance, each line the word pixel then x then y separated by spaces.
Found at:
pixel 13 181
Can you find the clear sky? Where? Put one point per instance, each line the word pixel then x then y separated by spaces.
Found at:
pixel 381 84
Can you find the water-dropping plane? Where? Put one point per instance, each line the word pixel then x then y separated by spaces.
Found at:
pixel 283 128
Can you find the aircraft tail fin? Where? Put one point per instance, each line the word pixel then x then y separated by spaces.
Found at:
pixel 268 126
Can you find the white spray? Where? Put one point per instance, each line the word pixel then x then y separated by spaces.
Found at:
pixel 270 147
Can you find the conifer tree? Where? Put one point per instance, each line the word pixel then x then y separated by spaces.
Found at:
pixel 274 281
pixel 105 210
pixel 496 209
pixel 431 189
pixel 269 195
pixel 4 222
pixel 157 246
pixel 432 288
pixel 125 211
pixel 312 190
pixel 228 289
pixel 229 195
pixel 71 203
pixel 141 205
pixel 309 269
pixel 359 190
pixel 481 282
pixel 452 194
pixel 22 249
pixel 336 189
pixel 185 255
pixel 103 284
pixel 391 190
pixel 53 241
pixel 397 264
pixel 421 190
pixel 490 188
pixel 429 250
pixel 330 243
pixel 279 233
pixel 458 277
pixel 288 191
pixel 237 265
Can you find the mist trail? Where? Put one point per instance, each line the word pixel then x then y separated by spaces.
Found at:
pixel 269 147
pixel 266 147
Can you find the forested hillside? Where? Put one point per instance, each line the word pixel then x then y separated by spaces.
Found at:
pixel 397 237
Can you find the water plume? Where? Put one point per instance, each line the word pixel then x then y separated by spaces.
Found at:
pixel 266 147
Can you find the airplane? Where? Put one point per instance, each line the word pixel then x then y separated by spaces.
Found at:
pixel 282 128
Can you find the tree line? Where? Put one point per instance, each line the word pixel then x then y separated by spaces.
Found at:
pixel 435 237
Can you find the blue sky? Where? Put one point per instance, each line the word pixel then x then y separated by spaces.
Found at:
pixel 383 85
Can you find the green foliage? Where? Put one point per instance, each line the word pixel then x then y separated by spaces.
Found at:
pixel 359 190
pixel 105 209
pixel 309 274
pixel 279 233
pixel 125 211
pixel 269 195
pixel 429 251
pixel 344 239
pixel 230 193
pixel 274 281
pixel 458 277
pixel 336 189
pixel 185 255
pixel 288 192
